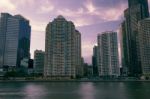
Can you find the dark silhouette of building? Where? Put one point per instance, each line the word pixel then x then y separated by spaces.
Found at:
pixel 94 61
pixel 31 61
pixel 138 10
pixel 88 70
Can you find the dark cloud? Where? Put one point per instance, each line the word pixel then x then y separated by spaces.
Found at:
pixel 70 4
pixel 109 3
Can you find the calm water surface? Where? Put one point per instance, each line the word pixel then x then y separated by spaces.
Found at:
pixel 75 90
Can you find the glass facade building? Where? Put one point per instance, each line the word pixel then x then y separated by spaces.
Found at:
pixel 15 40
pixel 138 10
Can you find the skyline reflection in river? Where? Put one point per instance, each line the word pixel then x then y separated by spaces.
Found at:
pixel 75 90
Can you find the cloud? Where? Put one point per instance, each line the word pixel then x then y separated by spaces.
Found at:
pixel 105 13
pixel 89 6
pixel 70 13
pixel 78 16
pixel 111 14
pixel 90 17
pixel 90 13
pixel 6 5
pixel 38 26
pixel 109 3
pixel 23 2
pixel 82 22
pixel 46 7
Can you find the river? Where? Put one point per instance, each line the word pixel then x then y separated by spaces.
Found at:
pixel 75 90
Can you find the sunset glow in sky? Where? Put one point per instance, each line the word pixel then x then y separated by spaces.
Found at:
pixel 89 16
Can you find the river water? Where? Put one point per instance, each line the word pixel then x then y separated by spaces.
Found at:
pixel 75 90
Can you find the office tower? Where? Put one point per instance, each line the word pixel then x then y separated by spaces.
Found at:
pixel 3 28
pixel 39 62
pixel 144 38
pixel 61 49
pixel 108 61
pixel 138 10
pixel 95 60
pixel 141 6
pixel 124 51
pixel 15 40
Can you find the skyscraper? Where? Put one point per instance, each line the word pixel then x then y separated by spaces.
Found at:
pixel 139 5
pixel 108 61
pixel 15 39
pixel 138 10
pixel 144 38
pixel 62 48
pixel 39 62
pixel 79 66
pixel 124 48
pixel 3 29
pixel 95 61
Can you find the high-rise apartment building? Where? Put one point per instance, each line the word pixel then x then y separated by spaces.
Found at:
pixel 39 62
pixel 138 10
pixel 144 38
pixel 79 67
pixel 108 60
pixel 14 40
pixel 62 49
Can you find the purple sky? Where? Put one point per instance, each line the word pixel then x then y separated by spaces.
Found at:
pixel 89 16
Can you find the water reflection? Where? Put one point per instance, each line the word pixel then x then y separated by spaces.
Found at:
pixel 138 90
pixel 75 90
pixel 86 91
pixel 51 91
pixel 34 91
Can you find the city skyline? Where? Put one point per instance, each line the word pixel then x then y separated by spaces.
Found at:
pixel 91 17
